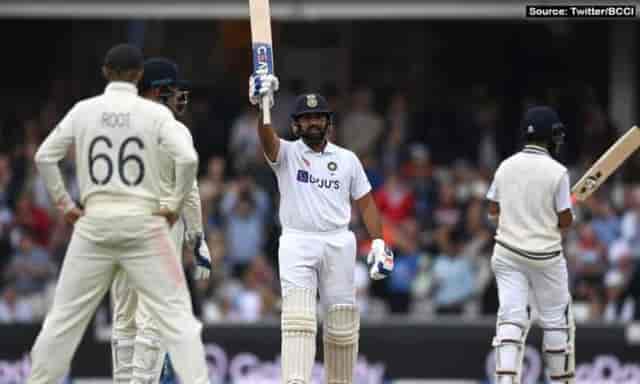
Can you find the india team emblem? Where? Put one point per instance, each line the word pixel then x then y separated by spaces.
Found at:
pixel 312 101
pixel 332 166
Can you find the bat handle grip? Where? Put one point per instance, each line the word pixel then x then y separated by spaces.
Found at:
pixel 266 111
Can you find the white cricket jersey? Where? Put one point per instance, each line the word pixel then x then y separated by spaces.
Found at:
pixel 531 189
pixel 316 188
pixel 122 144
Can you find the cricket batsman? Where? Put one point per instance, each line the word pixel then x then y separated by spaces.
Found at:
pixel 137 348
pixel 530 201
pixel 317 181
pixel 123 146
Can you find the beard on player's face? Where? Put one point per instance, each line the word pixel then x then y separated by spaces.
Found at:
pixel 313 128
pixel 314 134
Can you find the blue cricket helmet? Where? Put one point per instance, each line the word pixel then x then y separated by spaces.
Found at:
pixel 542 124
pixel 161 72
pixel 311 103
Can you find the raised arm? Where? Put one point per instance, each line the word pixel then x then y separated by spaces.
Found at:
pixel 265 85
pixel 269 139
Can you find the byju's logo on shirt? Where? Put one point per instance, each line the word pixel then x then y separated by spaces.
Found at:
pixel 305 177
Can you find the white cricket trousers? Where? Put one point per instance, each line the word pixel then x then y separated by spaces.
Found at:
pixel 323 262
pixel 141 246
pixel 544 282
pixel 130 316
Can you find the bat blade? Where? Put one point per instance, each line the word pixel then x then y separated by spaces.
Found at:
pixel 260 15
pixel 607 164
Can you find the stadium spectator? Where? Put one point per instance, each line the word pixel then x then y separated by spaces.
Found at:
pixel 14 309
pixel 620 303
pixel 407 258
pixel 243 143
pixel 30 267
pixel 605 222
pixel 245 208
pixel 453 275
pixel 395 198
pixel 361 127
pixel 588 260
pixel 35 219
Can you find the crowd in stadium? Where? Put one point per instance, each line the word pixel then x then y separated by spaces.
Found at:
pixel 430 175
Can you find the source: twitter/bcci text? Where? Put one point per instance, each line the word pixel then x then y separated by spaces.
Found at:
pixel 581 11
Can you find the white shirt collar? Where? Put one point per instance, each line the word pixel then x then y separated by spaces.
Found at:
pixel 536 149
pixel 121 86
pixel 329 148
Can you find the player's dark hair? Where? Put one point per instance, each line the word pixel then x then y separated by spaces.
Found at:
pixel 124 57
pixel 123 62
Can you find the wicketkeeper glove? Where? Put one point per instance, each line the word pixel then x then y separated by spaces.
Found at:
pixel 380 259
pixel 201 255
pixel 262 84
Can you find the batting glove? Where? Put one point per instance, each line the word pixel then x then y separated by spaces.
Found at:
pixel 380 259
pixel 262 85
pixel 202 257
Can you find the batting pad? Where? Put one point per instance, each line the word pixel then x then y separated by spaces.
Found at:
pixel 341 333
pixel 559 350
pixel 148 358
pixel 298 335
pixel 122 359
pixel 509 345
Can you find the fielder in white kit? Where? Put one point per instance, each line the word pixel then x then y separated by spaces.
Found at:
pixel 138 351
pixel 120 141
pixel 530 199
pixel 317 181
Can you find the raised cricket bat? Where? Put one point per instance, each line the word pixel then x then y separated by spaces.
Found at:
pixel 607 164
pixel 260 16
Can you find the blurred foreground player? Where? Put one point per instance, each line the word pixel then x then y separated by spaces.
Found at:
pixel 120 140
pixel 530 199
pixel 137 347
pixel 317 181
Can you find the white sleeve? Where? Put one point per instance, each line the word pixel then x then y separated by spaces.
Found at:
pixel 51 151
pixel 192 211
pixel 281 157
pixel 181 150
pixel 360 184
pixel 492 193
pixel 563 194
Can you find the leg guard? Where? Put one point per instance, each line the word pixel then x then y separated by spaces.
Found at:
pixel 298 335
pixel 341 331
pixel 148 358
pixel 559 351
pixel 509 345
pixel 122 359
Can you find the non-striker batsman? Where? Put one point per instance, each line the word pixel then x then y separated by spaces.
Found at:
pixel 530 200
